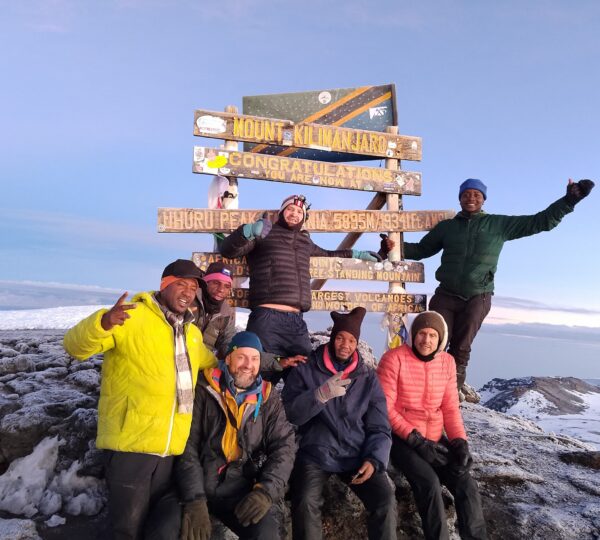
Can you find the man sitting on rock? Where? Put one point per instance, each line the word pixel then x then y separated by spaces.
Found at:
pixel 239 455
pixel 338 405
pixel 419 383
pixel 152 354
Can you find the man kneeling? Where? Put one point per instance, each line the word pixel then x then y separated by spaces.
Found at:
pixel 240 452
pixel 420 386
pixel 339 407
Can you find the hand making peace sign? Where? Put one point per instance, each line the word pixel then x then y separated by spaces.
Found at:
pixel 116 315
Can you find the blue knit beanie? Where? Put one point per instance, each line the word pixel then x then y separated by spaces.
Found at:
pixel 244 339
pixel 473 183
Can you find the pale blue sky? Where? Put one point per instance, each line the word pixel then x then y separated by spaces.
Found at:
pixel 97 102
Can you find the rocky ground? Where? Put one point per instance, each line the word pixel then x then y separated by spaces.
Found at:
pixel 535 485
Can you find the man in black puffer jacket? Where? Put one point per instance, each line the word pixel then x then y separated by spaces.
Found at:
pixel 278 256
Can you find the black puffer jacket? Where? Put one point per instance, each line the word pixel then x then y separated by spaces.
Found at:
pixel 279 265
pixel 267 443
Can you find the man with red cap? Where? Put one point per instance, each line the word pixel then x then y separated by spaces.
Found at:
pixel 340 410
pixel 278 256
pixel 471 243
pixel 152 355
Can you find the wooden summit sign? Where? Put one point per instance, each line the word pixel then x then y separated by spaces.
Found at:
pixel 272 131
pixel 348 300
pixel 331 268
pixel 176 220
pixel 304 171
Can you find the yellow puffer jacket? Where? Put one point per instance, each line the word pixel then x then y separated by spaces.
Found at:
pixel 137 411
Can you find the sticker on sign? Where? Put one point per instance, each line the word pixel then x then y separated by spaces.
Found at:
pixel 211 124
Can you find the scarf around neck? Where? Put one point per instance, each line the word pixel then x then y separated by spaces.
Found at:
pixel 183 367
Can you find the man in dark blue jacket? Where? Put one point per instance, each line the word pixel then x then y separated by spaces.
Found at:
pixel 340 410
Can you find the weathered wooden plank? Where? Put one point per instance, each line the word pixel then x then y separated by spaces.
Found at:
pixel 304 171
pixel 273 131
pixel 332 268
pixel 347 300
pixel 172 220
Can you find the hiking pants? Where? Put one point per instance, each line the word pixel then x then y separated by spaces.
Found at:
pixel 464 319
pixel 426 481
pixel 306 491
pixel 135 482
pixel 280 332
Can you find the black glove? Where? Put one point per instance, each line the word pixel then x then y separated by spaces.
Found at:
pixel 462 460
pixel 576 191
pixel 195 523
pixel 433 453
pixel 386 245
pixel 253 507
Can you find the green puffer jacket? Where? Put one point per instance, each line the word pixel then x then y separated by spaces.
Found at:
pixel 471 246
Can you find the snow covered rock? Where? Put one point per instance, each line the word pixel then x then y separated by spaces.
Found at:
pixel 563 405
pixel 534 484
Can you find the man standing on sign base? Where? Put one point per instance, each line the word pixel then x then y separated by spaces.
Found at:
pixel 152 354
pixel 340 410
pixel 471 243
pixel 278 256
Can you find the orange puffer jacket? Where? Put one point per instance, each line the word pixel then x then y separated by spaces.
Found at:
pixel 421 395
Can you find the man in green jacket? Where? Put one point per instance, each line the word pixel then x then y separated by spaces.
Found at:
pixel 152 355
pixel 471 243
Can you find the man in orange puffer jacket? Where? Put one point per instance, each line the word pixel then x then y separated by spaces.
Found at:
pixel 419 383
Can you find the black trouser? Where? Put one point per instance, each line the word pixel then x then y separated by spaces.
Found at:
pixel 281 332
pixel 306 490
pixel 464 319
pixel 167 514
pixel 426 481
pixel 135 482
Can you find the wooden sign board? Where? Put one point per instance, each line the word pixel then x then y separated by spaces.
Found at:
pixel 372 108
pixel 303 171
pixel 177 220
pixel 273 131
pixel 331 268
pixel 348 300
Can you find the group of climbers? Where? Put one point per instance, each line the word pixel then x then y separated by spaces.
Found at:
pixel 177 380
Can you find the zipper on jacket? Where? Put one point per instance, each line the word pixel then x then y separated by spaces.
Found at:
pixel 297 271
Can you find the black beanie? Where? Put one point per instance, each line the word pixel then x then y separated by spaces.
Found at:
pixel 348 322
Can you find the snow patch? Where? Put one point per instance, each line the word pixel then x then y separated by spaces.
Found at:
pixel 46 319
pixel 18 529
pixel 30 485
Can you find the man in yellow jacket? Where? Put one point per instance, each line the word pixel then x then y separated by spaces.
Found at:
pixel 152 355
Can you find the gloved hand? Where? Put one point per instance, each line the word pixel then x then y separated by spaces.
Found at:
pixel 259 229
pixel 462 459
pixel 365 255
pixel 253 507
pixel 433 453
pixel 386 245
pixel 576 191
pixel 333 387
pixel 195 523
